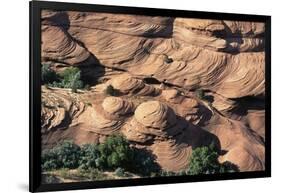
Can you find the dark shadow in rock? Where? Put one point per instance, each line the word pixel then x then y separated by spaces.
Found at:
pixel 229 167
pixel 223 152
pixel 195 136
pixel 91 70
pixel 144 162
pixel 151 80
pixel 207 115
pixel 248 103
pixel 209 98
pixel 60 18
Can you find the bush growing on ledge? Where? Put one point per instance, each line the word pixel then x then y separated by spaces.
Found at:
pixel 204 160
pixel 110 90
pixel 47 74
pixel 71 79
pixel 200 94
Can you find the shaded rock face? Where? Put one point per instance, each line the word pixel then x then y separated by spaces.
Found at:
pixel 157 64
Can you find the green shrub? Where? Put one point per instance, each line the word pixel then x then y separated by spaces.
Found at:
pixel 200 94
pixel 228 167
pixel 144 163
pixel 47 74
pixel 68 154
pixel 204 160
pixel 110 91
pixel 89 154
pixel 64 155
pixel 69 78
pixel 49 160
pixel 114 152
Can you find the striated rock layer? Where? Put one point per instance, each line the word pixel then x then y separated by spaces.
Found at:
pixel 158 65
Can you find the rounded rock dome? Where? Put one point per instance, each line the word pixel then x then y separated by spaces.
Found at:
pixel 116 105
pixel 155 114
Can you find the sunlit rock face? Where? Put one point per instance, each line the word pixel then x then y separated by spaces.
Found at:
pixel 156 65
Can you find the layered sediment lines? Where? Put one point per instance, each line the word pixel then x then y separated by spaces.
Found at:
pixel 225 59
pixel 201 49
pixel 169 137
pixel 241 146
pixel 126 84
pixel 108 117
pixel 58 109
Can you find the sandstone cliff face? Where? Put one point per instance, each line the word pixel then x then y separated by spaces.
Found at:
pixel 157 63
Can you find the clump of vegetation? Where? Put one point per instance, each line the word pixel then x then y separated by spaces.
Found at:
pixel 200 94
pixel 64 155
pixel 116 155
pixel 89 155
pixel 70 78
pixel 115 152
pixel 111 91
pixel 144 163
pixel 204 160
pixel 167 59
pixel 48 75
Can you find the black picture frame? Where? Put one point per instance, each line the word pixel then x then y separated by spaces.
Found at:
pixel 35 95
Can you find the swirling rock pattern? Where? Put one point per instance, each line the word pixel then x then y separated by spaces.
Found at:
pixel 127 84
pixel 154 119
pixel 171 156
pixel 199 49
pixel 108 117
pixel 172 138
pixel 58 109
pixel 155 114
pixel 186 107
pixel 157 64
pixel 117 106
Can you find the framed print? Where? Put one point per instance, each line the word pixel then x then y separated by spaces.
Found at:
pixel 126 96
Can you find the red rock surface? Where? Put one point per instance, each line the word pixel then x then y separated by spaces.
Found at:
pixel 157 63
